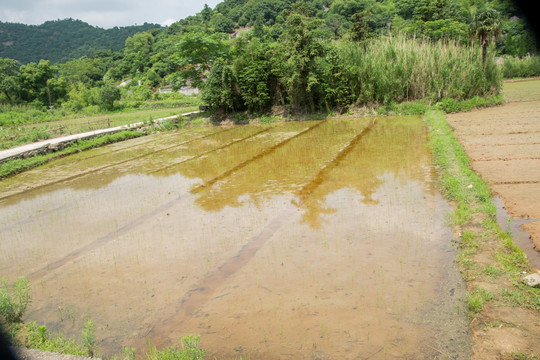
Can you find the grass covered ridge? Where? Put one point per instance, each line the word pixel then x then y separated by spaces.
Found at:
pixel 15 166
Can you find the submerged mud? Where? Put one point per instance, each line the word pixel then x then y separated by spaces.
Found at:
pixel 322 240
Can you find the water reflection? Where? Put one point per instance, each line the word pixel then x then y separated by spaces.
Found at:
pixel 293 240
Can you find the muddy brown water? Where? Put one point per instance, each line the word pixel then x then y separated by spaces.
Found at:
pixel 300 240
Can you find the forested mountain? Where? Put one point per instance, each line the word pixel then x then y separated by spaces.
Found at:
pixel 61 40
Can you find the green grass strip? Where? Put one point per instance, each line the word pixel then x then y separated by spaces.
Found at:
pixel 458 181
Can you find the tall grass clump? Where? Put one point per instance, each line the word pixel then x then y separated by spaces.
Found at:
pixel 406 69
pixel 14 300
pixel 515 67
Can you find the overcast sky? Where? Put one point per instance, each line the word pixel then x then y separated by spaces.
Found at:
pixel 102 13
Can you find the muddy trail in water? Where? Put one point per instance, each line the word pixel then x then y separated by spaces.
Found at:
pixel 504 146
pixel 322 240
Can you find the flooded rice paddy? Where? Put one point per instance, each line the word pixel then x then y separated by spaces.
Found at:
pixel 299 240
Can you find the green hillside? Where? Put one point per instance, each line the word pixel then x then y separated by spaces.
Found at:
pixel 250 55
pixel 61 40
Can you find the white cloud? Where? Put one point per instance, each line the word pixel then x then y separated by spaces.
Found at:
pixel 102 13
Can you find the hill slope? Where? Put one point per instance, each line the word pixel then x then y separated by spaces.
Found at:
pixel 61 40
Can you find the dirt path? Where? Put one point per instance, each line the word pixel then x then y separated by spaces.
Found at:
pixel 504 146
pixel 32 354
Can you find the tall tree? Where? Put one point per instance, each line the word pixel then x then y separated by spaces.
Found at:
pixel 34 79
pixel 197 52
pixel 486 27
pixel 9 70
pixel 301 48
pixel 138 50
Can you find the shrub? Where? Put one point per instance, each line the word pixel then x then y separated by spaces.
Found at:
pixel 515 67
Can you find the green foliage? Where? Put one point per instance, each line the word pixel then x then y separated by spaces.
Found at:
pixel 360 30
pixel 486 26
pixel 221 89
pixel 221 24
pixel 9 84
pixel 449 105
pixel 287 58
pixel 14 299
pixel 89 71
pixel 522 296
pixel 189 351
pixel 38 337
pixel 88 337
pixel 196 53
pixel 298 62
pixel 524 356
pixel 403 69
pixel 513 67
pixel 107 95
pixel 138 51
pixel 517 39
pixel 37 83
pixel 314 74
pixel 438 29
pixel 477 298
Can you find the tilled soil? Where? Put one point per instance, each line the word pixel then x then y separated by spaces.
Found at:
pixel 504 146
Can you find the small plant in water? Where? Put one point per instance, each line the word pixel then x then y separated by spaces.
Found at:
pixel 509 226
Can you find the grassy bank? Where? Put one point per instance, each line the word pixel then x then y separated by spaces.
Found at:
pixel 491 263
pixel 15 166
pixel 21 125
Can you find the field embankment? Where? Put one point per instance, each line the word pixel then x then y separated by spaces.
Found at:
pixel 504 146
pixel 22 125
pixel 504 311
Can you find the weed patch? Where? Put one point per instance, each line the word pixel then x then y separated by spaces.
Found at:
pixel 189 351
pixel 14 299
pixel 477 298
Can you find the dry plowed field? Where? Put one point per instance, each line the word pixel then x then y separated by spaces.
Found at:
pixel 504 146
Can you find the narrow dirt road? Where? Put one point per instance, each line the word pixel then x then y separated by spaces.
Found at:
pixel 503 143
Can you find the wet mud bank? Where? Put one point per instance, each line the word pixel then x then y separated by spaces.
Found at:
pixel 319 240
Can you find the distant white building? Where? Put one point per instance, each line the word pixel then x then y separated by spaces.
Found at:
pixel 186 90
